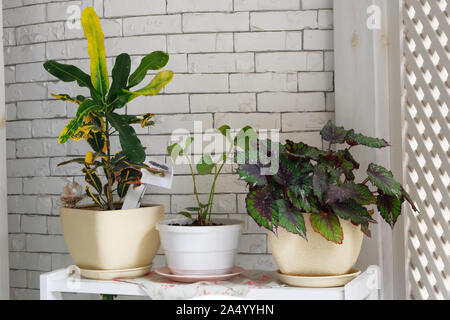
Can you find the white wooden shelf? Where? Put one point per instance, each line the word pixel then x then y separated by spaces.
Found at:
pixel 364 287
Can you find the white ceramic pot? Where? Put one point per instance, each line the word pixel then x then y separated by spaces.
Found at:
pixel 115 240
pixel 200 250
pixel 317 256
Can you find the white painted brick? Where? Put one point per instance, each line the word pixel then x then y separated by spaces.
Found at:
pixel 255 120
pixel 66 50
pixel 40 33
pixel 30 261
pixel 163 200
pixel 315 81
pixel 152 24
pixel 224 102
pixel 14 186
pixel 47 128
pixel 330 98
pixel 110 27
pixel 40 148
pixel 221 62
pixel 249 225
pixel 212 22
pixel 177 63
pixel 258 82
pixel 317 4
pixel 31 72
pixel 198 83
pixel 34 224
pixel 318 39
pixel 41 109
pixel 45 243
pixel 305 121
pixel 135 45
pixel 291 102
pixel 24 15
pixel 10 74
pixel 30 204
pixel 14 223
pixel 17 242
pixel 10 149
pixel 71 169
pixel 173 103
pixel 325 19
pixel 283 20
pixel 28 167
pixel 54 225
pixel 11 112
pixel 253 243
pixel 182 121
pixel 66 88
pixel 33 279
pixel 24 294
pixel 44 185
pixel 120 8
pixel 11 3
pixel 225 203
pixel 26 53
pixel 59 260
pixel 311 138
pixel 156 145
pixel 268 41
pixel 18 129
pixel 253 5
pixel 256 262
pixel 329 61
pixel 289 61
pixel 198 5
pixel 26 91
pixel 9 36
pixel 18 278
pixel 190 43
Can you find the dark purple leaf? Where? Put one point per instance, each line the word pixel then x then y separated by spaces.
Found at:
pixel 333 134
pixel 384 180
pixel 390 207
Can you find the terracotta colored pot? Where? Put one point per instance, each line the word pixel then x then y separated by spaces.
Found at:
pixel 112 240
pixel 317 256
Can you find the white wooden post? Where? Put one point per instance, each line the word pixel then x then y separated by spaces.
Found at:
pixel 366 45
pixel 4 264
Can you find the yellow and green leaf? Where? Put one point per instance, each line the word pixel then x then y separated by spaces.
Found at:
pixel 66 97
pixel 93 197
pixel 96 48
pixel 158 82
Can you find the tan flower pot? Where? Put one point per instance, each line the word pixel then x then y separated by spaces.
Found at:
pixel 317 256
pixel 112 240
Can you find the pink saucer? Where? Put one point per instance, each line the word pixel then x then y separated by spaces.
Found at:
pixel 165 271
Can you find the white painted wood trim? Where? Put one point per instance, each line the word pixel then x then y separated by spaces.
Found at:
pixel 4 261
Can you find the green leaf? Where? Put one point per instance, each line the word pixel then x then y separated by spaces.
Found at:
pixel 302 202
pixel 333 133
pixel 175 150
pixel 66 97
pixel 252 174
pixel 328 226
pixel 153 61
pixel 93 197
pixel 365 229
pixel 384 180
pixel 408 198
pixel 262 208
pixel 302 150
pixel 129 142
pixel 291 218
pixel 390 207
pixel 68 73
pixel 245 138
pixel 350 209
pixel 96 48
pixel 186 214
pixel 122 189
pixel 76 160
pixel 97 141
pixel 206 165
pixel 188 143
pixel 93 179
pixel 155 86
pixel 354 139
pixel 192 209
pixel 358 192
pixel 225 130
pixel 120 74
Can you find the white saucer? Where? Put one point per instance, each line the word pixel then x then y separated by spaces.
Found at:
pixel 165 271
pixel 318 281
pixel 118 273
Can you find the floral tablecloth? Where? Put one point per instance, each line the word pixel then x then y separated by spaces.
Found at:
pixel 158 287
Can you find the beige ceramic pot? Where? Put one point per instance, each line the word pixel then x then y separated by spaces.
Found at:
pixel 117 240
pixel 317 256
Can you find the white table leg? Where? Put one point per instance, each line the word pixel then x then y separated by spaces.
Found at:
pixel 45 289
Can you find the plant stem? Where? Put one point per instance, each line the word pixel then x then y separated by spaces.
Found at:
pixel 195 189
pixel 365 181
pixel 109 196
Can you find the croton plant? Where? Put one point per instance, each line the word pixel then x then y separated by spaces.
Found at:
pixel 98 116
pixel 322 183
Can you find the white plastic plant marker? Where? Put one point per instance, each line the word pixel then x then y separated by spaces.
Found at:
pixel 134 195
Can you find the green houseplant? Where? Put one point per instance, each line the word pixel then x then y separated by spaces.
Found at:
pixel 314 200
pixel 101 237
pixel 201 245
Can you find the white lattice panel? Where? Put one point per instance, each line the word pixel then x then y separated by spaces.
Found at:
pixel 427 66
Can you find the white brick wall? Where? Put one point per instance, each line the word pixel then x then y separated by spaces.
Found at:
pixel 267 63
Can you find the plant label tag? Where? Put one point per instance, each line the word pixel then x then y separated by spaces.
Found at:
pixel 134 195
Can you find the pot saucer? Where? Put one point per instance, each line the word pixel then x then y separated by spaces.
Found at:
pixel 118 273
pixel 165 271
pixel 318 281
